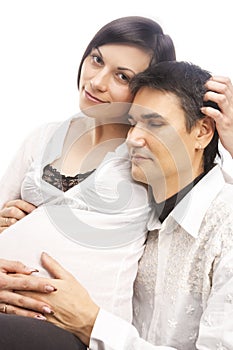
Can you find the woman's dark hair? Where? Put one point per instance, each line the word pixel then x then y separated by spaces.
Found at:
pixel 134 30
pixel 187 82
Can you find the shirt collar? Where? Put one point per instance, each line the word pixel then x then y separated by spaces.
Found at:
pixel 190 211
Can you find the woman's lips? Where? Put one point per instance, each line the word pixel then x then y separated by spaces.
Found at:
pixel 93 98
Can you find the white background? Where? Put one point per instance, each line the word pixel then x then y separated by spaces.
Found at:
pixel 42 42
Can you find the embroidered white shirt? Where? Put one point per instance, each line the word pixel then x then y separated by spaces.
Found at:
pixel 183 294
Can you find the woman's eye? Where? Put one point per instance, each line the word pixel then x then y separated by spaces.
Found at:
pixel 124 77
pixel 96 59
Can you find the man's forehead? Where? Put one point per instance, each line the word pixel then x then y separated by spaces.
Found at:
pixel 153 102
pixel 137 111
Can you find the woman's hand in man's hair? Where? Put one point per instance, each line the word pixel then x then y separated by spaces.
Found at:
pixel 220 91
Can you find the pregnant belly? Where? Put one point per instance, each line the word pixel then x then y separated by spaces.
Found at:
pixel 108 274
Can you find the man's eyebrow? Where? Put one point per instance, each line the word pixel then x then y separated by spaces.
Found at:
pixel 151 116
pixel 147 116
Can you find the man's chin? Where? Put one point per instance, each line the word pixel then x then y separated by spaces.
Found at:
pixel 138 175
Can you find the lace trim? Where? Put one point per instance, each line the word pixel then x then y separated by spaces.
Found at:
pixel 60 181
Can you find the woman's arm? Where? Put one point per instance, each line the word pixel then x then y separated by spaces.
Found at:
pixel 220 91
pixel 12 206
pixel 11 181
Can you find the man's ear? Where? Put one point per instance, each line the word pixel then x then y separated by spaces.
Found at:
pixel 205 132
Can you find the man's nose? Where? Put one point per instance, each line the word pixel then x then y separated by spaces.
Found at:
pixel 136 137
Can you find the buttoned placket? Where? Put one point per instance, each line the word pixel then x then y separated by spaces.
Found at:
pixel 165 237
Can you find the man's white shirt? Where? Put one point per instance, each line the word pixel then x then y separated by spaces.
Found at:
pixel 184 287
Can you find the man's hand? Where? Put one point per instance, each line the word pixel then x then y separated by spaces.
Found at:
pixel 220 91
pixel 73 308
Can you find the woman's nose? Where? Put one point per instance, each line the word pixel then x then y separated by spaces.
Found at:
pixel 99 81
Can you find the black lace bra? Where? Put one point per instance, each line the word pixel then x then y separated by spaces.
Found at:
pixel 62 182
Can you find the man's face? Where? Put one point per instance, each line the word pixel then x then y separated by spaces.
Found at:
pixel 161 148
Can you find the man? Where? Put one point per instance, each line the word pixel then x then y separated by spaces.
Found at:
pixel 183 291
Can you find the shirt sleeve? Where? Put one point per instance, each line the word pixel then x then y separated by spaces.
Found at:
pixel 216 325
pixel 11 181
pixel 113 333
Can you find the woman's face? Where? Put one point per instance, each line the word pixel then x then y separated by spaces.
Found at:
pixel 105 78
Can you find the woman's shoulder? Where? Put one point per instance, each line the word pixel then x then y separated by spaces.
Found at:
pixel 43 128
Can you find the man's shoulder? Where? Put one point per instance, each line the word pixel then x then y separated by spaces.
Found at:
pixel 220 211
pixel 225 197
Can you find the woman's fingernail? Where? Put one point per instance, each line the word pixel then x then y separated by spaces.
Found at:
pixel 31 269
pixel 47 310
pixel 49 288
pixel 40 317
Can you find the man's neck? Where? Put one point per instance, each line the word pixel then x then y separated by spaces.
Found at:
pixel 164 208
pixel 165 188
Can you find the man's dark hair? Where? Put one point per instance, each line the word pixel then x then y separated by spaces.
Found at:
pixel 187 82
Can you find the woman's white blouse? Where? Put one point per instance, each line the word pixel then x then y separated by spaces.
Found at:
pixel 96 229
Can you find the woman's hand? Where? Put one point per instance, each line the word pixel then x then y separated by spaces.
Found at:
pixel 220 91
pixel 73 308
pixel 15 276
pixel 13 211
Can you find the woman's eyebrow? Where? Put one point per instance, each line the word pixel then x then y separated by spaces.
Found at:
pixel 100 53
pixel 124 68
pixel 120 68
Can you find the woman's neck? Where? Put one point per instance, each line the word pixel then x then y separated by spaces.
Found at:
pixel 105 132
pixel 86 151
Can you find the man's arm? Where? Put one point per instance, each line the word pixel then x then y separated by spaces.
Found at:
pixel 216 325
pixel 112 333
